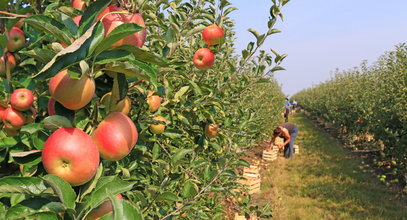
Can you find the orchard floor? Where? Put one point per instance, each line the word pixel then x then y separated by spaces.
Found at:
pixel 323 182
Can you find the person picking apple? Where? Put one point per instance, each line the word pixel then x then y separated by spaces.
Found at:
pixel 288 131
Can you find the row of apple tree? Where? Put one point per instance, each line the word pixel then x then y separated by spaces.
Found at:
pixel 370 103
pixel 130 109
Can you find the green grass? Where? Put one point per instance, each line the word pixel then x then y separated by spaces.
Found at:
pixel 324 182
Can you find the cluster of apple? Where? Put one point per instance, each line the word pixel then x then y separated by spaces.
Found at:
pixel 204 57
pixel 15 41
pixel 19 112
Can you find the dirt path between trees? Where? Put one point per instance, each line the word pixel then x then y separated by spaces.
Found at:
pixel 323 182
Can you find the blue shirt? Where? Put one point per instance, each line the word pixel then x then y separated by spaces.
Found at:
pixel 287 105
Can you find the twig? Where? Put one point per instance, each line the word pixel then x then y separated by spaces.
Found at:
pixel 14 15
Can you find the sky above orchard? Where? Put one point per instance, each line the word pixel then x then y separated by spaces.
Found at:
pixel 322 35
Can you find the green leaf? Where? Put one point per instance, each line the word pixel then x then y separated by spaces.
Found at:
pixel 75 52
pixel 46 24
pixel 180 154
pixel 33 207
pixel 115 186
pixel 42 55
pixel 89 186
pixel 56 121
pixel 3 40
pixel 167 196
pixel 26 185
pixel 63 189
pixel 180 93
pixel 263 80
pixel 190 189
pixel 117 34
pixel 156 151
pixel 173 133
pixel 31 128
pixel 273 31
pixel 124 210
pixel 254 32
pixel 150 71
pixel 91 13
pixel 197 89
pixel 131 68
pixel 8 142
pixel 197 29
pixel 109 56
pixel 27 158
pixel 277 68
pixel 145 56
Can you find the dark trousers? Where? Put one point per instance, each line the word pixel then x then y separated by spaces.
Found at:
pixel 289 148
pixel 286 113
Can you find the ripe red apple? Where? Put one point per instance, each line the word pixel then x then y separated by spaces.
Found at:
pixel 111 21
pixel 16 39
pixel 22 99
pixel 115 136
pixel 122 106
pixel 13 119
pixel 72 93
pixel 211 130
pixel 105 208
pixel 11 63
pixel 72 155
pixel 158 128
pixel 153 101
pixel 78 4
pixel 212 34
pixel 77 19
pixel 51 106
pixel 204 59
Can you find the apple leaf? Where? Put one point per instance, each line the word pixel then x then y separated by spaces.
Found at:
pixel 46 24
pixel 25 185
pixel 124 210
pixel 42 55
pixel 117 34
pixel 180 154
pixel 114 186
pixel 63 189
pixel 190 189
pixel 145 56
pixel 35 208
pixel 134 68
pixel 109 56
pixel 31 128
pixel 8 142
pixel 90 14
pixel 167 196
pixel 28 158
pixel 56 121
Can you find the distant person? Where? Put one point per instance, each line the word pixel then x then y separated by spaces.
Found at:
pixel 288 131
pixel 294 105
pixel 287 106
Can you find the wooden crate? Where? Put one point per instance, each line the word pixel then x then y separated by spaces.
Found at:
pixel 242 217
pixel 252 171
pixel 270 155
pixel 252 184
pixel 296 149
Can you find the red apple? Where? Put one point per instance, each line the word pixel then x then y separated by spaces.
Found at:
pixel 204 59
pixel 72 93
pixel 13 119
pixel 111 21
pixel 105 208
pixel 115 136
pixel 211 130
pixel 51 106
pixel 212 34
pixel 78 4
pixel 122 106
pixel 11 63
pixel 72 155
pixel 77 19
pixel 158 128
pixel 22 99
pixel 16 39
pixel 153 101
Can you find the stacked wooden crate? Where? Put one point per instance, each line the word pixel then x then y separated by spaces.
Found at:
pixel 242 217
pixel 251 178
pixel 296 149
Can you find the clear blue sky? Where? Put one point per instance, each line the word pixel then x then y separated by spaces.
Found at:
pixel 322 35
